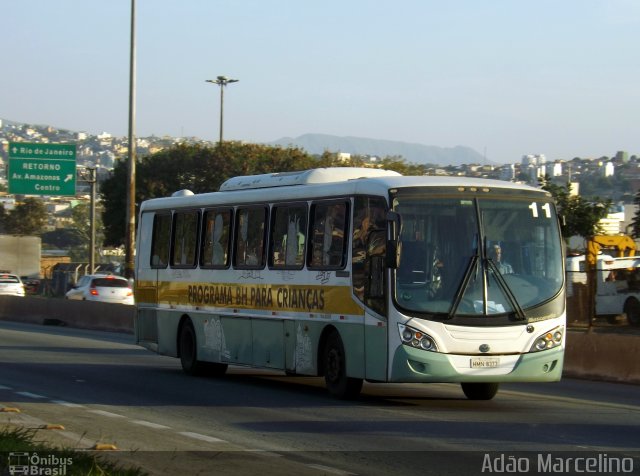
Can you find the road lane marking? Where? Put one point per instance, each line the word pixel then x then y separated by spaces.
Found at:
pixel 149 424
pixel 198 436
pixel 105 413
pixel 328 469
pixel 30 395
pixel 4 387
pixel 67 404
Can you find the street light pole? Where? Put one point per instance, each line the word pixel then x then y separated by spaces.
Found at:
pixel 130 239
pixel 222 81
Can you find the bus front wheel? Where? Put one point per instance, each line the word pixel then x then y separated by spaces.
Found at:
pixel 335 370
pixel 480 391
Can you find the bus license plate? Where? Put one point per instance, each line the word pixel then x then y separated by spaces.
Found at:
pixel 485 362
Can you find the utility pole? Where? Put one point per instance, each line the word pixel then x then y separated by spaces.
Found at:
pixel 93 179
pixel 89 175
pixel 131 189
pixel 221 81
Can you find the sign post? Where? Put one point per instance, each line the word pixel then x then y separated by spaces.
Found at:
pixel 42 169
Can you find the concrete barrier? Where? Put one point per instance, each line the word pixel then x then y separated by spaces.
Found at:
pixel 591 354
pixel 82 314
pixel 603 355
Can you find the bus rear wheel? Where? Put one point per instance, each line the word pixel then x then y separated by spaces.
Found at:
pixel 480 391
pixel 188 348
pixel 335 370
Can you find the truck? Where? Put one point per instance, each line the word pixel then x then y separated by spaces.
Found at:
pixel 617 285
pixel 20 255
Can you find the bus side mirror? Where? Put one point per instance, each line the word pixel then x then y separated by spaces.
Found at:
pixel 394 219
pixel 392 256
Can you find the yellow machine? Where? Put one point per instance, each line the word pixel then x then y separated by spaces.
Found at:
pixel 621 243
pixel 624 246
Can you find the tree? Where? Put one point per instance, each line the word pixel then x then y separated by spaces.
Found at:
pixel 194 167
pixel 3 219
pixel 203 169
pixel 581 217
pixel 27 218
pixel 61 238
pixel 82 231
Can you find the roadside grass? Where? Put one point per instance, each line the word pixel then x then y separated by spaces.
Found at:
pixel 54 460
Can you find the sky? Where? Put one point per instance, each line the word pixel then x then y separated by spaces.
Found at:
pixel 506 78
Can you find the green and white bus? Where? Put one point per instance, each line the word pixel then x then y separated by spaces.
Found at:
pixel 356 274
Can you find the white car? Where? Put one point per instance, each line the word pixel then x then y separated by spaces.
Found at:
pixel 11 285
pixel 103 288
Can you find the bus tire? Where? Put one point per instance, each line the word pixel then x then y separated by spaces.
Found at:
pixel 335 370
pixel 632 310
pixel 479 391
pixel 188 350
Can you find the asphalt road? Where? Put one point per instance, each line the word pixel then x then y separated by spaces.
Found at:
pixel 105 390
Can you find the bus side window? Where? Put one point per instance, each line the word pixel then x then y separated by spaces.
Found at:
pixel 250 234
pixel 288 236
pixel 328 227
pixel 160 240
pixel 216 230
pixel 185 239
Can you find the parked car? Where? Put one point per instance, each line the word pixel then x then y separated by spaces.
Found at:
pixel 11 285
pixel 102 287
pixel 31 285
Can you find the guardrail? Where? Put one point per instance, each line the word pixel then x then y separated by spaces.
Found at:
pixel 609 354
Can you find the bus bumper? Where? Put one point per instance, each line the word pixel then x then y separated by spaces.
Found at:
pixel 418 366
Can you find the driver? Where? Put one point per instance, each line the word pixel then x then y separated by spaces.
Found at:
pixel 503 266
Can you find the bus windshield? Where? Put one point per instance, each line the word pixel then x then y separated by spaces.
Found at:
pixel 476 256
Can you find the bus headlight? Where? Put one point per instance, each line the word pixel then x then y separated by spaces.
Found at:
pixel 415 338
pixel 548 340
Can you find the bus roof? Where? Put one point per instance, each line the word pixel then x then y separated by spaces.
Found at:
pixel 321 183
pixel 304 177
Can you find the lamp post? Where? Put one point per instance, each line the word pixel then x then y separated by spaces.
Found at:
pixel 221 81
pixel 130 238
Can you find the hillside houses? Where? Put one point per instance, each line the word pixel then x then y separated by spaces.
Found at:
pixel 617 177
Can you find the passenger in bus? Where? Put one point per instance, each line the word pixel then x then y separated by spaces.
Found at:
pixel 293 244
pixel 218 258
pixel 333 236
pixel 503 266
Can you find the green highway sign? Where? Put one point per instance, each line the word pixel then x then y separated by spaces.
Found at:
pixel 42 169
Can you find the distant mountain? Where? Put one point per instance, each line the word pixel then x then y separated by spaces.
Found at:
pixel 414 153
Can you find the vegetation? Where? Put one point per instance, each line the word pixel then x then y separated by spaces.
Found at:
pixel 82 463
pixel 203 169
pixel 580 215
pixel 27 218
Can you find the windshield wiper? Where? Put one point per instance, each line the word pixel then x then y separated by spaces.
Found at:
pixel 506 289
pixel 471 269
